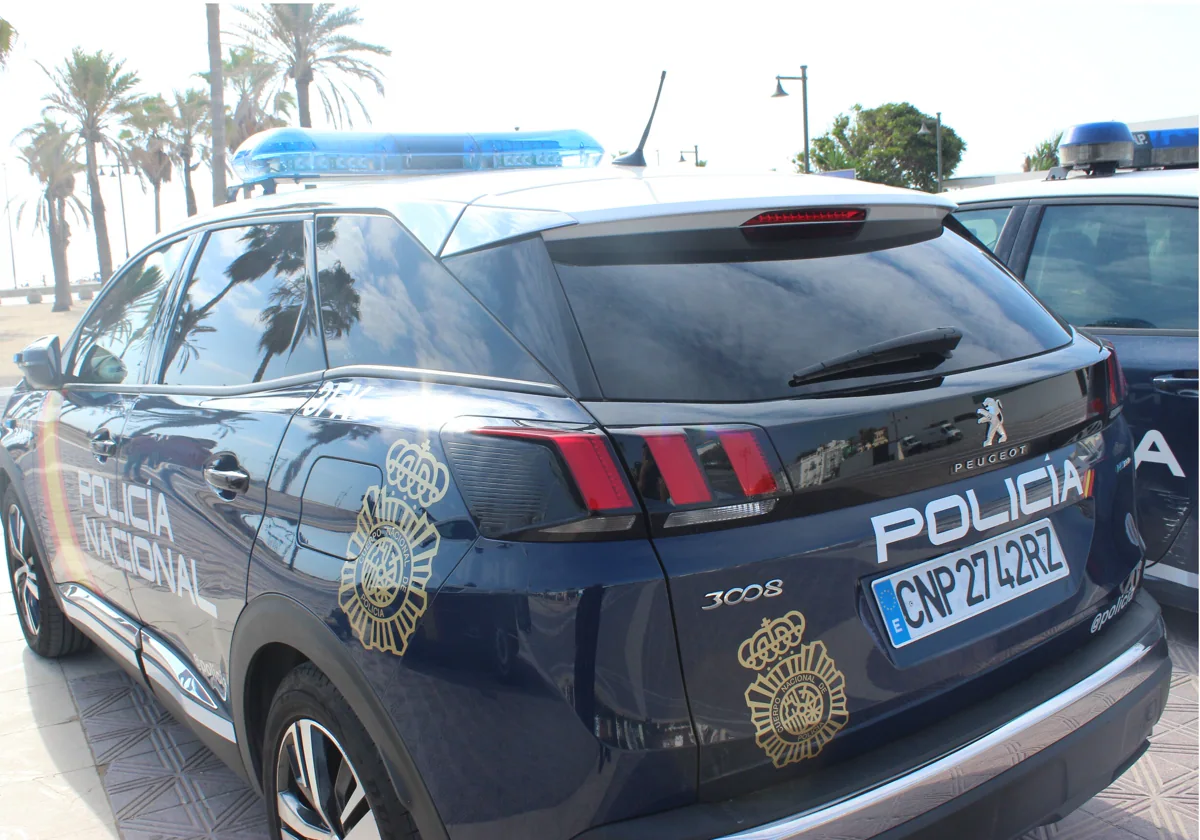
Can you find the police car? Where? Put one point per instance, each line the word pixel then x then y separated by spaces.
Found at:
pixel 488 491
pixel 1109 243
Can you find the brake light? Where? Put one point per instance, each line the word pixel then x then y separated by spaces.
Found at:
pixel 540 481
pixel 701 475
pixel 1109 395
pixel 793 217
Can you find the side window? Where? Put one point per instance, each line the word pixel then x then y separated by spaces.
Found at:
pixel 115 339
pixel 985 225
pixel 1117 265
pixel 386 301
pixel 241 317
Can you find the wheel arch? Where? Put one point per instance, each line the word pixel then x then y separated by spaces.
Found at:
pixel 274 634
pixel 12 476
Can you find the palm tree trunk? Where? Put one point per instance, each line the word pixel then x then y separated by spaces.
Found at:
pixel 302 102
pixel 187 185
pixel 58 256
pixel 216 95
pixel 157 207
pixel 99 223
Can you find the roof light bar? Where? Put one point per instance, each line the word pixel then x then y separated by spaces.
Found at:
pixel 1166 147
pixel 1098 147
pixel 301 154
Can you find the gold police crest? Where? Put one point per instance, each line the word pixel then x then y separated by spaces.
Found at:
pixel 798 700
pixel 394 542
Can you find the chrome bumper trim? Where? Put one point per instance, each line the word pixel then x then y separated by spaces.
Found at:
pixel 168 671
pixel 874 811
pixel 106 625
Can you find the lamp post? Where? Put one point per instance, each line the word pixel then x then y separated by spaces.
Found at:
pixel 779 91
pixel 695 153
pixel 924 132
pixel 115 169
pixel 12 251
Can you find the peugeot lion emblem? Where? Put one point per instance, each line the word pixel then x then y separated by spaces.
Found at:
pixel 992 413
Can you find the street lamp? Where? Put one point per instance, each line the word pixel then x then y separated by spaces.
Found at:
pixel 695 153
pixel 115 170
pixel 12 251
pixel 779 91
pixel 924 132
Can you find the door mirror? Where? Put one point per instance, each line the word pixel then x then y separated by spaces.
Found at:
pixel 41 363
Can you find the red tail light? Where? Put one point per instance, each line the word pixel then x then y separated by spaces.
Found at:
pixel 540 481
pixel 698 475
pixel 1108 394
pixel 821 214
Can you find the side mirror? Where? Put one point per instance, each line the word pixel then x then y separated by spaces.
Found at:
pixel 41 363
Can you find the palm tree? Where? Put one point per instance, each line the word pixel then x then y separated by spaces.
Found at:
pixel 51 155
pixel 189 123
pixel 308 44
pixel 91 90
pixel 1045 155
pixel 148 147
pixel 8 39
pixel 216 96
pixel 249 74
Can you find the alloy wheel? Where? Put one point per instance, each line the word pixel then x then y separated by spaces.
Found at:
pixel 318 793
pixel 22 569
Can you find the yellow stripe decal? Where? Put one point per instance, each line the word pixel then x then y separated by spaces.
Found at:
pixel 69 562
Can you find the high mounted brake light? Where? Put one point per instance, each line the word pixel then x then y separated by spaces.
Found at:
pixel 794 217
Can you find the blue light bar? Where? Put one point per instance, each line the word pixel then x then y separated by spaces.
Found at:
pixel 1166 147
pixel 1099 146
pixel 301 153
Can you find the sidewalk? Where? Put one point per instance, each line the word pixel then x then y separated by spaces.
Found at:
pixel 89 755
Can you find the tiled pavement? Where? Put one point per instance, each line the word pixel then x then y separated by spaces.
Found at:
pixel 86 754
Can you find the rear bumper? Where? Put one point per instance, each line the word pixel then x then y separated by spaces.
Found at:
pixel 1035 768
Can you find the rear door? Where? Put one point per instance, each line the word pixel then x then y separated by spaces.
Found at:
pixel 241 356
pixel 1126 271
pixel 848 558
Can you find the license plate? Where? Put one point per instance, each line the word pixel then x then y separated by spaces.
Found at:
pixel 929 597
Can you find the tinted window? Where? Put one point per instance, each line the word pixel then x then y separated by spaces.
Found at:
pixel 517 283
pixel 238 320
pixel 1117 265
pixel 734 331
pixel 114 341
pixel 985 225
pixel 386 301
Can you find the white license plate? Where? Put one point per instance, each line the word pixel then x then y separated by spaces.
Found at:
pixel 929 597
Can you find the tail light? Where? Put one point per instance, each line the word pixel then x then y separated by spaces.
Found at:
pixel 699 475
pixel 1110 388
pixel 807 216
pixel 541 481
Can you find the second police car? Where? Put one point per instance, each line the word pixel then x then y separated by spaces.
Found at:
pixel 498 493
pixel 1109 242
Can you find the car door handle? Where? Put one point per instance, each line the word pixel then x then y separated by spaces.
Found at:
pixel 103 445
pixel 1184 386
pixel 228 480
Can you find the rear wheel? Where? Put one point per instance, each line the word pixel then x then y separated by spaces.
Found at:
pixel 47 631
pixel 322 776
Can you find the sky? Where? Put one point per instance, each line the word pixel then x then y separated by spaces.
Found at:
pixel 1004 75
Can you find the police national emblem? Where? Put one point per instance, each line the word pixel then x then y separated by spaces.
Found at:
pixel 798 699
pixel 394 543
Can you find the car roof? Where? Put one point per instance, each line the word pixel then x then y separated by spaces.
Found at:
pixel 1169 183
pixel 536 199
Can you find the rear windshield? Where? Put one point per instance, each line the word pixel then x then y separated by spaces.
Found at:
pixel 736 331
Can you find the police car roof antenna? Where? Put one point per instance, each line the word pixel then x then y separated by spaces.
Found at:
pixel 636 158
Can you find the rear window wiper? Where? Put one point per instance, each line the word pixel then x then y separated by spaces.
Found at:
pixel 911 353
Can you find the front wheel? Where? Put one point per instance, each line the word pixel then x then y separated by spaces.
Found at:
pixel 322 776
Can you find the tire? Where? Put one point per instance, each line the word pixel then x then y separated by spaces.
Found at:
pixel 308 711
pixel 47 631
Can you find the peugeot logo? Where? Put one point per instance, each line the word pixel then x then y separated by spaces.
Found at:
pixel 992 413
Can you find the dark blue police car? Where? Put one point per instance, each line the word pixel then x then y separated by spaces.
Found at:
pixel 556 500
pixel 1113 249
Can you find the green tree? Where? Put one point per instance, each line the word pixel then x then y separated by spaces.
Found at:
pixel 216 97
pixel 256 107
pixel 51 153
pixel 149 147
pixel 1044 155
pixel 8 40
pixel 92 92
pixel 882 145
pixel 308 44
pixel 189 124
